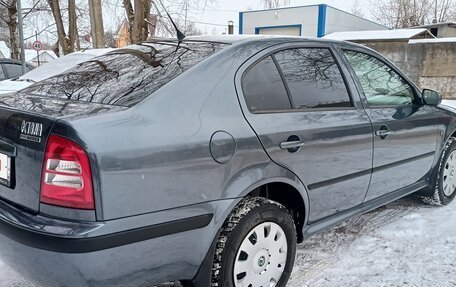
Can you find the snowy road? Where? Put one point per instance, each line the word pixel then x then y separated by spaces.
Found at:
pixel 406 243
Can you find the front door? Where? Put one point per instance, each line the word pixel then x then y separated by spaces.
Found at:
pixel 299 104
pixel 405 130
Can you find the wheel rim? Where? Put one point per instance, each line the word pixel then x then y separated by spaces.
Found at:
pixel 449 174
pixel 261 258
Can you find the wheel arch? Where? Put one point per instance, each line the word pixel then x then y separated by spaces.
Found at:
pixel 287 190
pixel 289 196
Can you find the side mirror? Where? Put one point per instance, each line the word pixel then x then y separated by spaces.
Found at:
pixel 431 97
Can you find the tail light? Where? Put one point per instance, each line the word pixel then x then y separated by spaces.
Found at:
pixel 67 179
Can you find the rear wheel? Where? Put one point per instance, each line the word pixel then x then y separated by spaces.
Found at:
pixel 256 247
pixel 445 184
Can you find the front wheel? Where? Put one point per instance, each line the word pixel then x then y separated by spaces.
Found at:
pixel 256 246
pixel 445 184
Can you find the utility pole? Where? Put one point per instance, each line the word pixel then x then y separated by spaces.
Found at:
pixel 96 23
pixel 37 51
pixel 21 34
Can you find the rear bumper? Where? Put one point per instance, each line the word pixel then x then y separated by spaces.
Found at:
pixel 59 253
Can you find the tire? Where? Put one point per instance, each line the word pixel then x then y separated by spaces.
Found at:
pixel 252 240
pixel 444 189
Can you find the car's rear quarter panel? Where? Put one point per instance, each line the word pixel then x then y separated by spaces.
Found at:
pixel 156 155
pixel 152 164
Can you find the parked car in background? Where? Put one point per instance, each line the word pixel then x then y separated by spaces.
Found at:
pixel 208 160
pixel 50 69
pixel 10 69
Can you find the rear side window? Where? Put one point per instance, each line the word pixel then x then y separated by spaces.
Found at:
pixel 264 89
pixel 2 73
pixel 313 78
pixel 126 76
pixel 13 70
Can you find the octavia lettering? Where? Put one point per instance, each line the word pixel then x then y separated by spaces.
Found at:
pixel 31 131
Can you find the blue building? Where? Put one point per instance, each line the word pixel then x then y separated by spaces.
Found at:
pixel 308 21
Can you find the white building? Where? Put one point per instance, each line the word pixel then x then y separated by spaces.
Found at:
pixel 308 21
pixel 45 56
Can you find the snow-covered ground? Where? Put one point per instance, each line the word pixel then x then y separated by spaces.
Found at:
pixel 406 243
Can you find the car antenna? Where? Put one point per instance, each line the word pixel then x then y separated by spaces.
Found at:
pixel 180 35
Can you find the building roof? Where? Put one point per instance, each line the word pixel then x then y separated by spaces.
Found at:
pixel 436 40
pixel 398 34
pixel 453 24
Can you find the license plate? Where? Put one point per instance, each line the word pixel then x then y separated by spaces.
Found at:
pixel 5 169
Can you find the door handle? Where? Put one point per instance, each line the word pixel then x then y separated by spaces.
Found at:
pixel 383 132
pixel 292 144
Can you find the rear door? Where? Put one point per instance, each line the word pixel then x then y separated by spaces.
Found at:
pixel 299 104
pixel 405 130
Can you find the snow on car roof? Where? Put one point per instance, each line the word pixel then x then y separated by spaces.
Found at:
pixel 378 34
pixel 62 64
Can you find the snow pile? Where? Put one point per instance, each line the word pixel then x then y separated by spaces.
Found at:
pixel 450 103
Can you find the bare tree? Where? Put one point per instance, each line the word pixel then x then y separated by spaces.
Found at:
pixel 67 20
pixel 110 40
pixel 63 39
pixel 138 28
pixel 139 16
pixel 96 23
pixel 10 18
pixel 73 26
pixel 271 4
pixel 356 9
pixel 408 13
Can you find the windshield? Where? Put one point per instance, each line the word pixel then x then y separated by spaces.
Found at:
pixel 125 76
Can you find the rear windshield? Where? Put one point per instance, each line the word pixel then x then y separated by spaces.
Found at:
pixel 126 76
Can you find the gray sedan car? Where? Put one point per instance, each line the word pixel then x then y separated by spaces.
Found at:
pixel 208 160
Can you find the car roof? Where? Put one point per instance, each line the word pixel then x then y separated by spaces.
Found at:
pixel 12 61
pixel 232 39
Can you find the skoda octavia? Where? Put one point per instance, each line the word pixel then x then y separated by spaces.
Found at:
pixel 208 160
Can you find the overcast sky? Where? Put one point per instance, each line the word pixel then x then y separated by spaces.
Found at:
pixel 226 10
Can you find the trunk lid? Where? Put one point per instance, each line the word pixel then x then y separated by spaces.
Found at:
pixel 25 125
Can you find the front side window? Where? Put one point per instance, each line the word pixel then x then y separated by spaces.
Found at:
pixel 264 89
pixel 381 84
pixel 313 78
